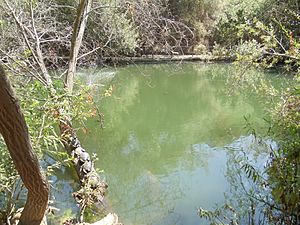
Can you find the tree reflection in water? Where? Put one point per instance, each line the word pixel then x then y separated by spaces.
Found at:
pixel 162 148
pixel 248 200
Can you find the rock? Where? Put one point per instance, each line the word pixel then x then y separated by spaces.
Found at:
pixel 110 219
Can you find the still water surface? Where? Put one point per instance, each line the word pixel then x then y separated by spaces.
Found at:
pixel 167 130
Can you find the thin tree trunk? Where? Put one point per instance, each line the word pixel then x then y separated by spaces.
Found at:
pixel 77 36
pixel 15 133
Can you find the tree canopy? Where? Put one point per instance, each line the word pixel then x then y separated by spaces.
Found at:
pixel 44 41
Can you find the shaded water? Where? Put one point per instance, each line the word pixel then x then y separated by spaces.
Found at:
pixel 167 131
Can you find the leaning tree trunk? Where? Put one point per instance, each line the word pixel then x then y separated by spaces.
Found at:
pixel 79 26
pixel 15 133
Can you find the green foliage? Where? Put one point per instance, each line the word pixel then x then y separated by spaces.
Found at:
pixel 114 29
pixel 249 51
pixel 193 10
pixel 200 15
pixel 43 112
pixel 8 174
pixel 38 109
pixel 283 170
pixel 266 37
pixel 42 118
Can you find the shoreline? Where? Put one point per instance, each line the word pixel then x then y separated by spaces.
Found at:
pixel 165 58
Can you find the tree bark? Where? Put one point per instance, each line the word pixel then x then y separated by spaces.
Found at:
pixel 15 133
pixel 83 10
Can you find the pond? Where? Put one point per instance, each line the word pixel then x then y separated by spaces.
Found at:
pixel 168 128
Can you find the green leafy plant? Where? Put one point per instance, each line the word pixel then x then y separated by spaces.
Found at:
pixel 41 115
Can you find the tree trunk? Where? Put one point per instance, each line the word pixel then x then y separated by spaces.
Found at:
pixel 15 133
pixel 83 10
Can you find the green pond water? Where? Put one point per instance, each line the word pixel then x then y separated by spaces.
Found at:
pixel 164 148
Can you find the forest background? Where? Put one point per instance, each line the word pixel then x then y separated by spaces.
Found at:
pixel 36 43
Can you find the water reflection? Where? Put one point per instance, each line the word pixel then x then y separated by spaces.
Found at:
pixel 164 148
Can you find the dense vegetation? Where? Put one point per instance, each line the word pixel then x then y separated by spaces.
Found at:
pixel 259 33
